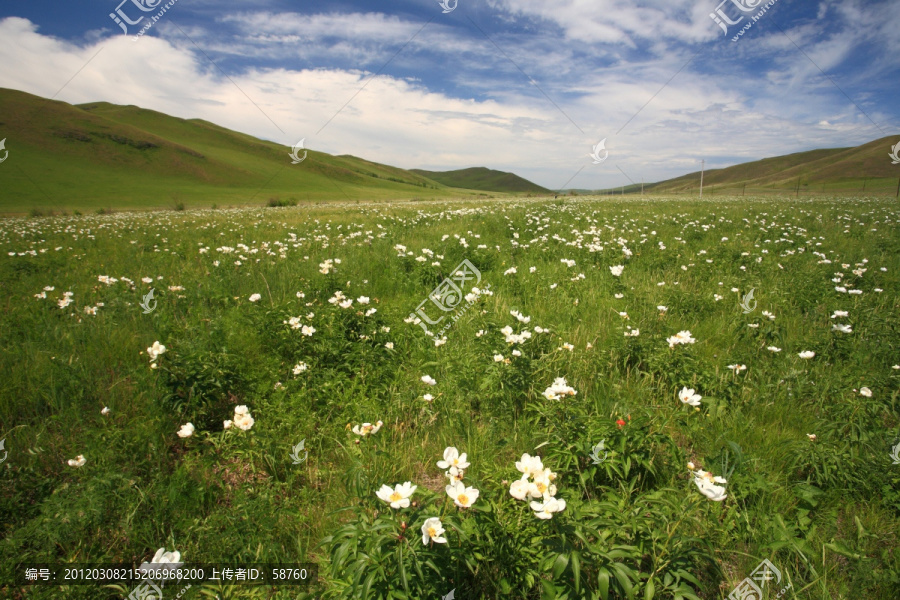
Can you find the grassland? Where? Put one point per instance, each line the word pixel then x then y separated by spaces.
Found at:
pixel 824 511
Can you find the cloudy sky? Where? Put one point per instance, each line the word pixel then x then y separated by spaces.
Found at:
pixel 527 86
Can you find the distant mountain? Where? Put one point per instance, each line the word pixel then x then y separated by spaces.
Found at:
pixel 481 178
pixel 834 169
pixel 101 155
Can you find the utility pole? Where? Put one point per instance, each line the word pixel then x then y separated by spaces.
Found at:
pixel 898 188
pixel 702 165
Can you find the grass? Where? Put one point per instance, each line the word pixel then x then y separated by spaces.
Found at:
pixel 826 513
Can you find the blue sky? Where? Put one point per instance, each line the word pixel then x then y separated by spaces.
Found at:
pixel 527 86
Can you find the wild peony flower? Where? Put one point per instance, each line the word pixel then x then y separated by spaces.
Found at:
pixel 706 483
pixel 155 351
pixel 559 389
pixel 682 337
pixel 242 418
pixel 428 380
pixel 545 509
pixel 688 396
pixel 530 465
pixel 105 410
pixel 807 354
pixel 432 530
pixel 811 436
pixel 842 328
pixel 255 297
pixel 398 497
pixel 519 489
pixel 737 368
pixel 864 391
pixel 186 431
pixel 300 367
pixel 775 349
pixel 78 461
pixel 462 496
pixel 163 561
pixel 452 458
pixel 307 330
pixel 367 429
pixel 617 270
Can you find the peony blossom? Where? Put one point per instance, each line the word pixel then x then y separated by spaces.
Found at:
pixel 255 297
pixel 545 509
pixel 688 396
pixel 617 270
pixel 186 431
pixel 806 354
pixel 78 461
pixel 242 418
pixel 367 429
pixel 462 496
pixel 428 380
pixel 432 530
pixel 707 484
pixel 452 458
pixel 519 488
pixel 398 497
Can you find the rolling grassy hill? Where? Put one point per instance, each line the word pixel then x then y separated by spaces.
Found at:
pixel 64 157
pixel 481 178
pixel 834 170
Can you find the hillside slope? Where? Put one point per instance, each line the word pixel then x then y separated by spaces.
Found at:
pixel 481 178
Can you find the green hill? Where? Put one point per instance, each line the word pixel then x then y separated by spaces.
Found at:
pixel 835 170
pixel 95 155
pixel 481 178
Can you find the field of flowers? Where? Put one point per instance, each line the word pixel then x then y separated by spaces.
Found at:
pixel 615 399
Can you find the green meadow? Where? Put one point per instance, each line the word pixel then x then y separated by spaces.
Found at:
pixel 304 316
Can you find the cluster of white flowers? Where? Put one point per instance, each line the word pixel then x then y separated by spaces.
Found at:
pixel 66 300
pixel 682 337
pixel 537 482
pixel 242 419
pixel 559 389
pixel 515 338
pixel 328 266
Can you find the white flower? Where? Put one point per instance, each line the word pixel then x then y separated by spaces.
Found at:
pixel 428 397
pixel 618 296
pixel 510 271
pixel 682 337
pixel 432 530
pixel 428 380
pixel 389 345
pixel 367 428
pixel 227 424
pixel 706 483
pixel 155 351
pixel 77 462
pixel 737 368
pixel 617 270
pixel 688 396
pixel 841 328
pixel 163 561
pixel 559 389
pixel 105 410
pixel 530 465
pixel 519 488
pixel 452 458
pixel 363 299
pixel 532 269
pixel 807 354
pixel 307 330
pixel 864 391
pixel 242 418
pixel 498 358
pixel 255 297
pixel 662 309
pixel 462 496
pixel 186 431
pixel 398 497
pixel 545 509
pixel 773 349
pixel 300 367
pixel 811 436
pixel 840 313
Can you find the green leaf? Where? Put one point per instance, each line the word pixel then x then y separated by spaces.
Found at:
pixel 576 570
pixel 603 583
pixel 559 565
pixel 650 590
